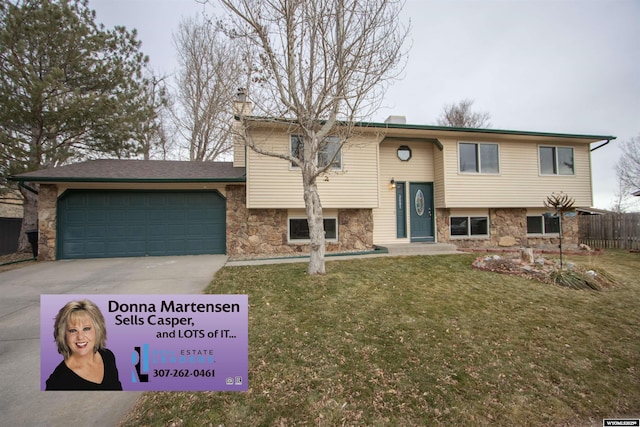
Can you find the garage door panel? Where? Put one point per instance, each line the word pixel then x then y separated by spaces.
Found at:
pixel 155 215
pixel 195 229
pixel 128 248
pixel 76 231
pixel 137 223
pixel 136 230
pixel 134 215
pixel 175 215
pixel 98 216
pixel 93 232
pixel 76 248
pixel 95 248
pixel 116 231
pixel 77 216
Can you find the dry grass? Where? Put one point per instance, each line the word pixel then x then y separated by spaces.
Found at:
pixel 424 341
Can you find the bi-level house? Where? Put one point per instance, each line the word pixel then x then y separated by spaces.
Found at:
pixel 392 183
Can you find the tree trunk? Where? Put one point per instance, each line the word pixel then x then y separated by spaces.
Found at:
pixel 29 218
pixel 316 227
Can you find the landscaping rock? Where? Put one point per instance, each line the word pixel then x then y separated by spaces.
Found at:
pixel 545 271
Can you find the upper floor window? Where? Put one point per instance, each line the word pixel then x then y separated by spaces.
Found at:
pixel 478 158
pixel 556 160
pixel 329 153
pixel 404 153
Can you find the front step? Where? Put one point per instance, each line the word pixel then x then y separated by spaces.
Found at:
pixel 421 248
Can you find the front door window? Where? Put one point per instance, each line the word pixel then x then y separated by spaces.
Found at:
pixel 419 203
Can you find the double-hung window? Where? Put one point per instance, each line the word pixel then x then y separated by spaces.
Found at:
pixel 329 153
pixel 478 158
pixel 468 226
pixel 543 224
pixel 556 160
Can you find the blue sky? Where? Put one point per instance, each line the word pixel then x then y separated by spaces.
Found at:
pixel 570 66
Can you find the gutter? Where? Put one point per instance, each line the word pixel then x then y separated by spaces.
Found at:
pixel 601 145
pixel 432 128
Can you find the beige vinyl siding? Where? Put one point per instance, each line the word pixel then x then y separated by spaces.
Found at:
pixel 519 183
pixel 238 153
pixel 273 183
pixel 420 168
pixel 537 211
pixel 239 147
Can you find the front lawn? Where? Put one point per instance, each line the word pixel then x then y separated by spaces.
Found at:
pixel 423 340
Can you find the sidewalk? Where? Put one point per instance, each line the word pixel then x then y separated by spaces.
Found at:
pixel 402 249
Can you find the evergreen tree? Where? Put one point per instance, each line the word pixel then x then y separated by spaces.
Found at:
pixel 69 89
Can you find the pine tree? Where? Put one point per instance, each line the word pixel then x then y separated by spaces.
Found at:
pixel 69 89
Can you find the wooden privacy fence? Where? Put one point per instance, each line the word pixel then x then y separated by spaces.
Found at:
pixel 615 231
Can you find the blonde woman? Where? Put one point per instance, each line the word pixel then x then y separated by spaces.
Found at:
pixel 81 335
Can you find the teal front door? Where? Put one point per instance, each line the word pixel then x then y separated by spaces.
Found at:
pixel 421 211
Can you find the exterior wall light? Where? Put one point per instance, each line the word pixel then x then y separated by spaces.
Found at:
pixel 392 184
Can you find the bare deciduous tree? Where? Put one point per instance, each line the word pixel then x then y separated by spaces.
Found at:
pixel 460 115
pixel 207 80
pixel 628 166
pixel 319 67
pixel 628 176
pixel 154 136
pixel 621 202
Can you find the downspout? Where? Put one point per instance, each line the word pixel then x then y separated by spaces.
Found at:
pixel 26 187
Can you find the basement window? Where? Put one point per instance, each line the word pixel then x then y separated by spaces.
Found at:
pixel 299 229
pixel 468 226
pixel 543 224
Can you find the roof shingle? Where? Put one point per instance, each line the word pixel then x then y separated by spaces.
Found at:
pixel 137 170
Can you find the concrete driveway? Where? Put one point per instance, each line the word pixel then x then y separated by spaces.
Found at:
pixel 21 401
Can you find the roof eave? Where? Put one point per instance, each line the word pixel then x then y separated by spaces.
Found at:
pixel 595 138
pixel 124 180
pixel 378 125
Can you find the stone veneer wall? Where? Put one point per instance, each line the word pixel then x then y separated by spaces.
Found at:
pixel 253 233
pixel 47 208
pixel 508 228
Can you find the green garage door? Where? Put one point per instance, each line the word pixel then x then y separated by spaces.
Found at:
pixel 104 224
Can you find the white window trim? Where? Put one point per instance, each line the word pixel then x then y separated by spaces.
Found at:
pixel 479 157
pixel 555 147
pixel 469 235
pixel 544 231
pixel 333 168
pixel 305 241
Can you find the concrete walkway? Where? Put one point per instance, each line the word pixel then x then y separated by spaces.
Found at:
pixel 401 249
pixel 21 401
